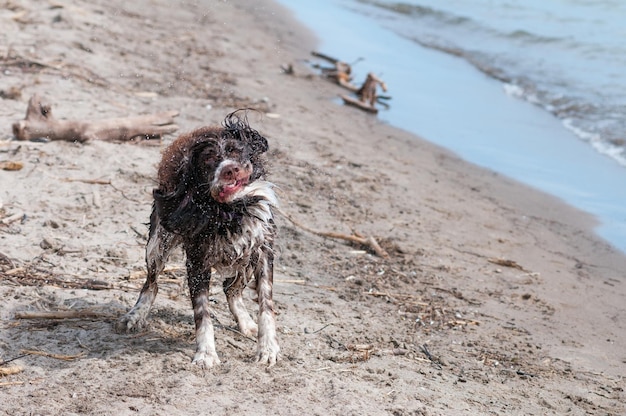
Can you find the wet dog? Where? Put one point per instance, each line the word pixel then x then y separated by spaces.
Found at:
pixel 213 200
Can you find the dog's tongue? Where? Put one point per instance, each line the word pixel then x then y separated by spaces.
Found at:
pixel 228 190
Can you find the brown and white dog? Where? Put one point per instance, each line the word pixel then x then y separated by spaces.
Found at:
pixel 213 200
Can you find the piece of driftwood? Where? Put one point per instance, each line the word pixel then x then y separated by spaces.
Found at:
pixel 369 242
pixel 367 94
pixel 358 103
pixel 68 314
pixel 40 123
pixel 55 356
pixel 340 72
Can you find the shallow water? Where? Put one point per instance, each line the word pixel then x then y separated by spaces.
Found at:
pixel 447 100
pixel 567 56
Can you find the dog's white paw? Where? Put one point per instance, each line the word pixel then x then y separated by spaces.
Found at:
pixel 205 359
pixel 249 329
pixel 268 353
pixel 130 322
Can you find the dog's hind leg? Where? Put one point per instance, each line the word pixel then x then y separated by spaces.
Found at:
pixel 199 277
pixel 160 245
pixel 233 288
pixel 267 342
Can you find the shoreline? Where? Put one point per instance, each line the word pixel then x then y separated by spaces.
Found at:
pixel 491 128
pixel 521 307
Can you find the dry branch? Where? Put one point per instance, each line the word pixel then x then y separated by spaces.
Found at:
pixel 40 123
pixel 52 355
pixel 7 371
pixel 12 218
pixel 369 242
pixel 29 65
pixel 11 383
pixel 71 314
pixel 367 95
pixel 399 296
pixel 340 72
pixel 11 165
pixel 90 181
pixel 32 276
pixel 507 263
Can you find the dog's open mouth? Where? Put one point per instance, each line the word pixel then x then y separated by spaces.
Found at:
pixel 228 190
pixel 231 178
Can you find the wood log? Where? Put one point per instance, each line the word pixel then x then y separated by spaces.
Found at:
pixel 367 96
pixel 70 314
pixel 40 123
pixel 367 92
pixel 358 103
pixel 340 72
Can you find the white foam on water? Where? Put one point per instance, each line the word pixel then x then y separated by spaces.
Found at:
pixel 513 90
pixel 601 146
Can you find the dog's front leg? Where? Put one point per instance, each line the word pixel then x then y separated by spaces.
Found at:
pixel 160 245
pixel 267 341
pixel 199 277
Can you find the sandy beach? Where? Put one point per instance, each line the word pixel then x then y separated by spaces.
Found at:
pixel 495 299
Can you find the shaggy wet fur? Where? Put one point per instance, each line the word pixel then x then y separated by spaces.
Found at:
pixel 213 200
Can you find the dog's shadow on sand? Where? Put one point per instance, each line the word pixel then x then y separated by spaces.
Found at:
pixel 51 343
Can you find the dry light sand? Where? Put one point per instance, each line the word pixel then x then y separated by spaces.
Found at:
pixel 496 299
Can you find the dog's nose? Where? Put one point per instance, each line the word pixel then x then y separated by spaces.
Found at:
pixel 230 172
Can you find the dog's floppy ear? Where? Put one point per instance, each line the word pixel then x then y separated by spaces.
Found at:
pixel 180 207
pixel 179 212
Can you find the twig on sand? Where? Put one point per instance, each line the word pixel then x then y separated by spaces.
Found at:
pixel 14 369
pixel 8 371
pixel 369 242
pixel 398 296
pixel 507 263
pixel 424 349
pixel 89 181
pixel 5 362
pixel 55 356
pixel 28 278
pixel 12 218
pixel 11 165
pixel 308 331
pixel 11 383
pixel 71 314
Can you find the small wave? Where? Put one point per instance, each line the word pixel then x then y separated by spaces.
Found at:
pixel 612 150
pixel 529 37
pixel 527 94
pixel 417 10
pixel 513 90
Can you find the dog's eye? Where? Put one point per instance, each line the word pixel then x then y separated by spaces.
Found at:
pixel 209 155
pixel 231 150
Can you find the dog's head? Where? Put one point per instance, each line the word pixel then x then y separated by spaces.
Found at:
pixel 227 159
pixel 209 169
